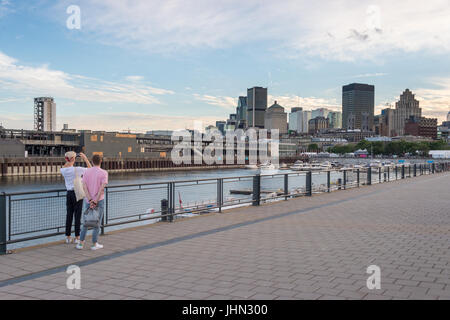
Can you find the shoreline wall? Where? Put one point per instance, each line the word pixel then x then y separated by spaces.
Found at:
pixel 13 167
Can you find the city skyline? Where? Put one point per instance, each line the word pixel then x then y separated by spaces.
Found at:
pixel 165 78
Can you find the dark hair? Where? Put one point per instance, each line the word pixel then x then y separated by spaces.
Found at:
pixel 96 159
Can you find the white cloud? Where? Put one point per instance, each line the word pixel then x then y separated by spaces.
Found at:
pixel 332 29
pixel 286 101
pixel 435 102
pixel 120 121
pixel 307 103
pixel 26 80
pixel 228 103
pixel 134 78
pixel 5 7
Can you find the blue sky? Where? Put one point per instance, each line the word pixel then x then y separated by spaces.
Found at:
pixel 144 65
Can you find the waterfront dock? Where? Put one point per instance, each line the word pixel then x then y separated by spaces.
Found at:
pixel 315 247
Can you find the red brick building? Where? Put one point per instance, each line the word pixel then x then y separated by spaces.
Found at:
pixel 421 127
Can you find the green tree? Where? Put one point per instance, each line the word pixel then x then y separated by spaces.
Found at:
pixel 313 147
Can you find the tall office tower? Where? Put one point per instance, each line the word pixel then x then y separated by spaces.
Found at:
pixel 387 122
pixel 241 113
pixel 448 116
pixel 405 108
pixel 276 118
pixel 296 120
pixel 307 115
pixel 44 114
pixel 256 106
pixel 335 119
pixel 358 103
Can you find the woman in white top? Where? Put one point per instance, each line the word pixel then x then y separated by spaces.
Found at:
pixel 74 207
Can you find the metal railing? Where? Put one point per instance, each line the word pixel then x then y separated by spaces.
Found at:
pixel 28 216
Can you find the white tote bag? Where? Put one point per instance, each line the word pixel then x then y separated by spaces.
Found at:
pixel 78 186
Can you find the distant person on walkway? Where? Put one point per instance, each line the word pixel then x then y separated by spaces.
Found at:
pixel 94 182
pixel 74 207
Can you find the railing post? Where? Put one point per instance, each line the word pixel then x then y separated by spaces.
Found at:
pixel 433 167
pixel 308 187
pixel 329 181
pixel 345 179
pixel 172 202
pixel 388 174
pixel 256 190
pixel 105 215
pixel 396 172
pixel 286 186
pixel 219 194
pixel 164 209
pixel 3 225
pixel 415 170
pixel 379 175
pixel 357 177
pixel 369 176
pixel 403 171
pixel 409 171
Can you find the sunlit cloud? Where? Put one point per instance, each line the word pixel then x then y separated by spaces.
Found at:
pixel 42 80
pixel 228 103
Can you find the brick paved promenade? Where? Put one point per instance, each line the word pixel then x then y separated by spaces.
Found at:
pixel 306 248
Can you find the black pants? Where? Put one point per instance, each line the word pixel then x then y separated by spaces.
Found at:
pixel 74 208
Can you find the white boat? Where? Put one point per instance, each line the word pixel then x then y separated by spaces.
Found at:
pixel 251 166
pixel 268 169
pixel 298 166
pixel 375 164
pixel 315 166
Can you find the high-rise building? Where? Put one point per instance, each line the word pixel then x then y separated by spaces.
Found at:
pixel 358 103
pixel 335 119
pixel 220 125
pixel 448 116
pixel 256 106
pixel 44 114
pixel 405 108
pixel 276 118
pixel 387 122
pixel 231 122
pixel 307 115
pixel 241 113
pixel 296 120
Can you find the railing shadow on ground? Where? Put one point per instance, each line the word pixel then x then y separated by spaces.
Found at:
pixel 27 217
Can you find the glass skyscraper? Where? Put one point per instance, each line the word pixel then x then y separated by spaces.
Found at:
pixel 358 103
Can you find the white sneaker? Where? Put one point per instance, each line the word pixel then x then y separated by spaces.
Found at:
pixel 77 241
pixel 68 240
pixel 97 246
pixel 79 246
